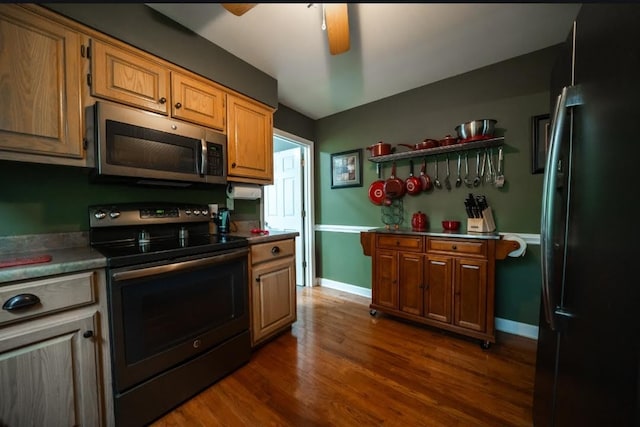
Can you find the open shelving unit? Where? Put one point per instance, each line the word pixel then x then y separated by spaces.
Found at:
pixel 474 145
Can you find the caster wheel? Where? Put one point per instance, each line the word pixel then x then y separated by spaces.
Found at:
pixel 485 345
pixel 372 312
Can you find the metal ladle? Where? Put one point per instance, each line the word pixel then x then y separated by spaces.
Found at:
pixel 499 181
pixel 447 182
pixel 459 179
pixel 437 182
pixel 476 180
pixel 467 181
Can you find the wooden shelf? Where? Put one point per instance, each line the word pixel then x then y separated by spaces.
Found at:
pixel 493 142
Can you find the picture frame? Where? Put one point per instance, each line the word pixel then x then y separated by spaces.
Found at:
pixel 346 169
pixel 540 133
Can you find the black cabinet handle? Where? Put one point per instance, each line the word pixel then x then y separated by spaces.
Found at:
pixel 20 302
pixel 163 100
pixel 275 250
pixel 233 165
pixel 454 247
pixel 178 105
pixel 88 334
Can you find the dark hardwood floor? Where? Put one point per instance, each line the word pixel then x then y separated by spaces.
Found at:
pixel 340 366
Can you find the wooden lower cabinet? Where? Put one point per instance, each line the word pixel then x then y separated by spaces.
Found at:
pixel 273 289
pixel 51 361
pixel 443 282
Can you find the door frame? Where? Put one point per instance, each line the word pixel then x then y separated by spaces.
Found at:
pixel 308 237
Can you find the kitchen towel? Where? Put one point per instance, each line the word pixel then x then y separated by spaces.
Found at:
pixel 523 245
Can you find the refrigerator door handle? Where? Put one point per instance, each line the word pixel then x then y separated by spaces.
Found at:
pixel 549 205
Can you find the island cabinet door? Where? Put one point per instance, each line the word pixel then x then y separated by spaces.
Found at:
pixel 385 284
pixel 470 296
pixel 438 288
pixel 411 282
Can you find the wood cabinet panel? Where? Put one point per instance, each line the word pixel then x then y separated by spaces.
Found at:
pixel 123 76
pixel 470 292
pixel 40 83
pixel 197 101
pixel 438 293
pixel 249 141
pixel 411 282
pixel 385 284
pixel 269 251
pixel 405 243
pixel 458 246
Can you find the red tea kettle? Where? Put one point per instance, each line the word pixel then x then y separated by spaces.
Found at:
pixel 419 221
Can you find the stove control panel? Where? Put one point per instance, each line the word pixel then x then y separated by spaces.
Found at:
pixel 137 214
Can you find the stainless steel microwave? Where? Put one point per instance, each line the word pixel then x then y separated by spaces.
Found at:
pixel 147 148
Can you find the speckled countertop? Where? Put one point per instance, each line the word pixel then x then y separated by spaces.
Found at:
pixel 462 234
pixel 70 252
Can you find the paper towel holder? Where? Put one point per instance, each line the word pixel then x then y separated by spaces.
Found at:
pixel 244 191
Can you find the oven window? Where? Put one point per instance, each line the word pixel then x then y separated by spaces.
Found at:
pixel 139 147
pixel 160 312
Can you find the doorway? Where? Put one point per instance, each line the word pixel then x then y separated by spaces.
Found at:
pixel 288 203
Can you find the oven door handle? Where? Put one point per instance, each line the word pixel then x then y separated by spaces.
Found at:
pixel 179 266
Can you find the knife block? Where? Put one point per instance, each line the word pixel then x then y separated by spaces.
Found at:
pixel 482 225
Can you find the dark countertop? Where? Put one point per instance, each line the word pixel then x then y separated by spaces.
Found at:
pixel 274 235
pixel 461 234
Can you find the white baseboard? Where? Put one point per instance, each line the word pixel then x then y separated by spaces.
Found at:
pixel 503 325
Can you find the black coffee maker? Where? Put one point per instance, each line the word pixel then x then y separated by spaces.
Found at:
pixel 222 220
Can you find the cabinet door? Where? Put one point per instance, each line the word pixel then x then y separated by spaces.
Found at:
pixel 48 376
pixel 197 102
pixel 250 141
pixel 411 282
pixel 123 76
pixel 470 286
pixel 273 297
pixel 40 108
pixel 438 292
pixel 385 283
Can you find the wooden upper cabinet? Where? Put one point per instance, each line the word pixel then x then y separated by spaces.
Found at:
pixel 123 76
pixel 197 101
pixel 40 85
pixel 249 141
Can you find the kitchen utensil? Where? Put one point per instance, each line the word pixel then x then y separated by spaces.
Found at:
pixel 379 149
pixel 437 182
pixel 448 140
pixel 484 161
pixel 467 181
pixel 419 221
pixel 425 179
pixel 476 180
pixel 447 182
pixel 412 184
pixel 376 189
pixel 490 176
pixel 450 225
pixel 393 186
pixel 476 130
pixel 427 143
pixel 499 181
pixel 459 179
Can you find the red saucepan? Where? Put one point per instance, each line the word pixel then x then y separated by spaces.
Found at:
pixel 393 186
pixel 427 143
pixel 425 179
pixel 380 149
pixel 376 190
pixel 448 140
pixel 412 184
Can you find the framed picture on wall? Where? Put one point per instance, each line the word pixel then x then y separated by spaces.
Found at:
pixel 539 142
pixel 346 169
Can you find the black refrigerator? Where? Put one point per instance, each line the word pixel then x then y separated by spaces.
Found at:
pixel 587 367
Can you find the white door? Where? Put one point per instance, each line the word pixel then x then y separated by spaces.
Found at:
pixel 283 201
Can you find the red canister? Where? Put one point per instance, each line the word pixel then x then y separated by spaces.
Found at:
pixel 419 221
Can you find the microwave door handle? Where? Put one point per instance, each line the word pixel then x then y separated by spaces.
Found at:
pixel 203 157
pixel 549 206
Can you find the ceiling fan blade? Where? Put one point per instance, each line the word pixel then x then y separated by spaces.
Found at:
pixel 337 19
pixel 238 9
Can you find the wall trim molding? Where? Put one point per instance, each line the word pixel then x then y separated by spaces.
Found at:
pixel 503 325
pixel 530 239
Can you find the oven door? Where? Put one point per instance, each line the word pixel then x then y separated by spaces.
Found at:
pixel 164 314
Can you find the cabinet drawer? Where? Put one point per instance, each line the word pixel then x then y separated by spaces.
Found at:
pixel 55 294
pixel 261 252
pixel 405 243
pixel 471 247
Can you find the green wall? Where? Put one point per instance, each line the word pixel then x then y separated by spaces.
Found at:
pixel 511 92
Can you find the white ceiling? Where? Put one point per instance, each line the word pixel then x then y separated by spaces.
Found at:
pixel 394 47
